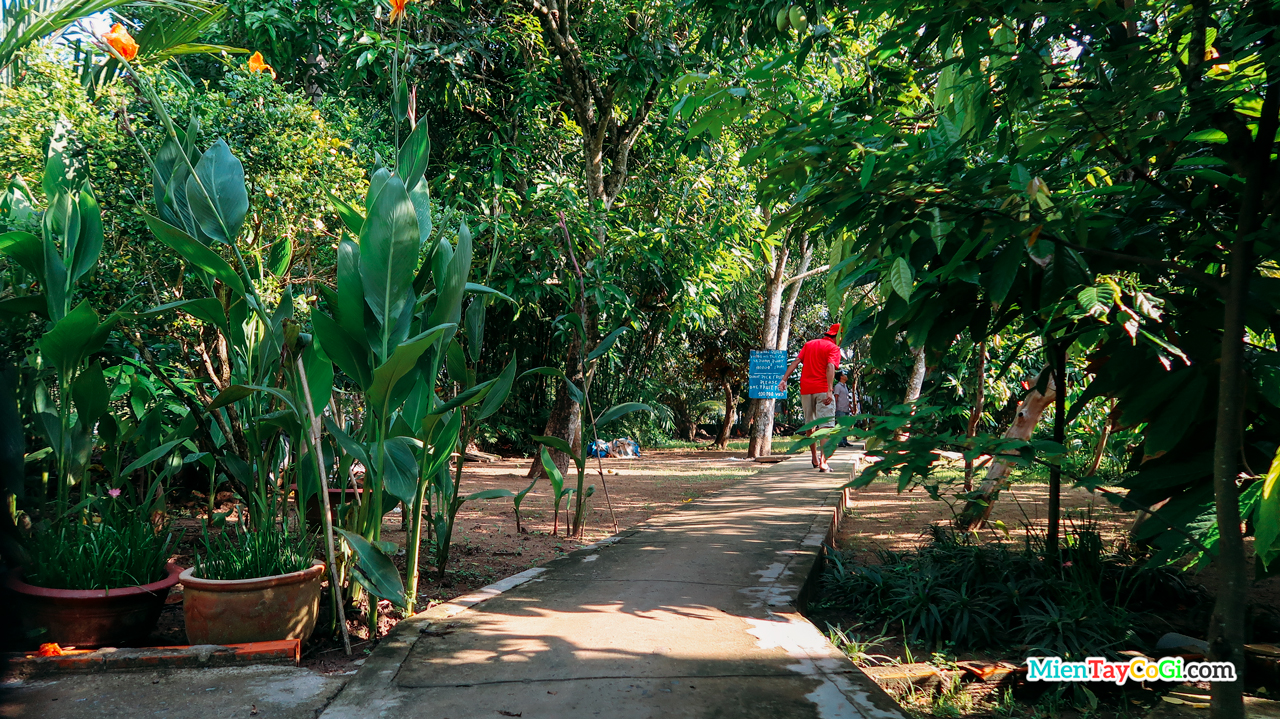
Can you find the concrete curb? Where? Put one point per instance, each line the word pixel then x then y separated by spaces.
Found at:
pixel 110 659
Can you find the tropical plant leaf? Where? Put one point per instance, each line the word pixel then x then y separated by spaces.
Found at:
pixel 618 410
pixel 900 278
pixel 402 360
pixel 216 193
pixel 498 392
pixel 389 252
pixel 195 253
pixel 489 494
pixel 351 356
pixel 607 343
pixel 411 161
pixel 380 575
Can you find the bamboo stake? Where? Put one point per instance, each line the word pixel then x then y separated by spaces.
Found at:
pixel 335 588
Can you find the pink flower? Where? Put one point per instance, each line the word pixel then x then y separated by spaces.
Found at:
pixel 1066 565
pixel 114 493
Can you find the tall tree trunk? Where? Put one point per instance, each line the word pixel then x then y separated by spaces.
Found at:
pixel 762 409
pixel 762 438
pixel 977 510
pixel 975 413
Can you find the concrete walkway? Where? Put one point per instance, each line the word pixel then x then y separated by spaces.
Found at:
pixel 690 615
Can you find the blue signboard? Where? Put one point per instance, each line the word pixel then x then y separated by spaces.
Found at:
pixel 764 372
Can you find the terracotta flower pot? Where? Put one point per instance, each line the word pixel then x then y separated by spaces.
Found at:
pixel 235 611
pixel 93 617
pixel 338 496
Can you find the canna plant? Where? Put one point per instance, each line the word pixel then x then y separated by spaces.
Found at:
pixel 580 396
pixel 64 252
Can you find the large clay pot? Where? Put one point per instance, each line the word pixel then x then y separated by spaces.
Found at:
pixel 338 497
pixel 87 618
pixel 235 611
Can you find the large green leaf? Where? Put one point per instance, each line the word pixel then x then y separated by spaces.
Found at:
pixel 89 244
pixel 400 470
pixel 475 327
pixel 618 410
pixel 25 249
pixel 70 339
pixel 411 162
pixel 90 394
pixel 378 571
pixel 349 215
pixel 1266 523
pixel 161 451
pixel 349 308
pixel 24 305
pixel 553 473
pixel 421 200
pixel 218 200
pixel 498 393
pixel 489 494
pixel 562 445
pixel 573 389
pixel 456 363
pixel 195 253
pixel 465 398
pixel 349 354
pixel 900 278
pixel 401 361
pixel 55 276
pixel 607 343
pixel 389 252
pixel 451 271
pixel 319 370
pixel 230 395
pixel 353 448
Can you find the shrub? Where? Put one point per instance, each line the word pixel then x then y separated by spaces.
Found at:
pixel 958 592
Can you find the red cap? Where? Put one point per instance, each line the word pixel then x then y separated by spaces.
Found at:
pixel 835 330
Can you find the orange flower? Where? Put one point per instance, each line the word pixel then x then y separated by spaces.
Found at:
pixel 52 649
pixel 257 64
pixel 121 41
pixel 397 9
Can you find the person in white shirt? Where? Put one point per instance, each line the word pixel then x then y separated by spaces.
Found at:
pixel 844 400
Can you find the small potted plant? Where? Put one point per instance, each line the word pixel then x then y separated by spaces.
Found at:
pixel 252 586
pixel 97 577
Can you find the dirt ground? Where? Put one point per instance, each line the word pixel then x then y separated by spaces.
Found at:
pixel 486 546
pixel 881 518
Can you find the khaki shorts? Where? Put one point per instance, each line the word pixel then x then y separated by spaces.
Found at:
pixel 815 409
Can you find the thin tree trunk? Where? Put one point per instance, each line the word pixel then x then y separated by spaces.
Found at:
pixel 977 510
pixel 915 384
pixel 1107 426
pixel 1227 626
pixel 1059 435
pixel 975 414
pixel 730 416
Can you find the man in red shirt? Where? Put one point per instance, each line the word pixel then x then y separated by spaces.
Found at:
pixel 820 358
